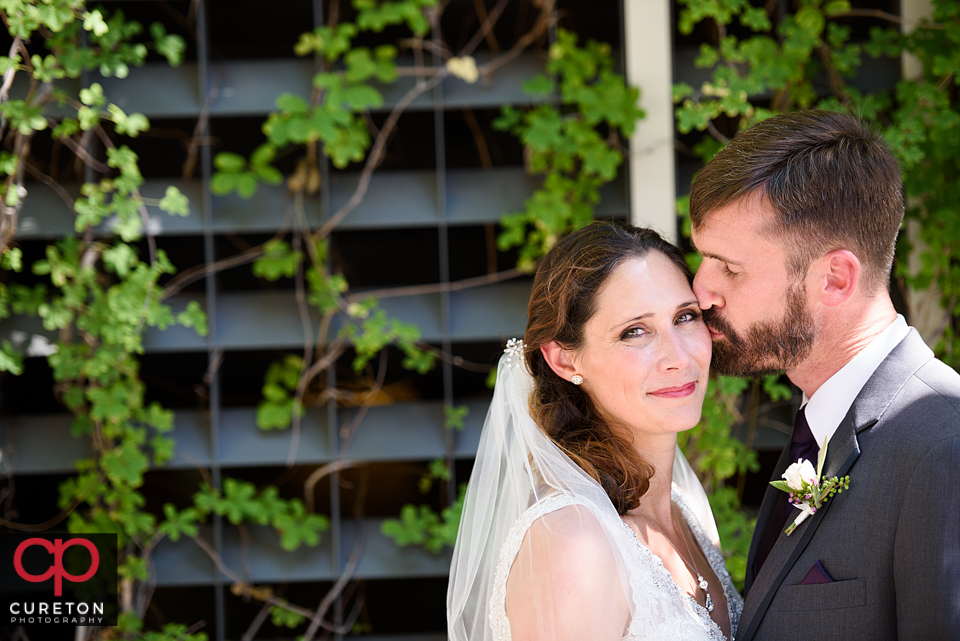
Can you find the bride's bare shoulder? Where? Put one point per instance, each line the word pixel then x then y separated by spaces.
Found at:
pixel 571 529
pixel 565 577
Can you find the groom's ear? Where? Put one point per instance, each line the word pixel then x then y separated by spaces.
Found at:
pixel 559 360
pixel 839 276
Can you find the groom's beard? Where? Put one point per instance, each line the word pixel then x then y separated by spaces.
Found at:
pixel 766 347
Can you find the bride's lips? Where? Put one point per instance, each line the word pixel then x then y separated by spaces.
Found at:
pixel 676 392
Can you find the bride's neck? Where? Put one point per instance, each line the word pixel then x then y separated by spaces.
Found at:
pixel 659 453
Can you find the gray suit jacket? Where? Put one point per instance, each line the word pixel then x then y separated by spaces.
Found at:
pixel 891 543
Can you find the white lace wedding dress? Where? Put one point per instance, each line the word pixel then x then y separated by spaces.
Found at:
pixel 661 609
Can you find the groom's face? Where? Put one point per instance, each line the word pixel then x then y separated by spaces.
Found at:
pixel 755 307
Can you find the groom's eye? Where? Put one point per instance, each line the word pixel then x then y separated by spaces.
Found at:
pixel 729 272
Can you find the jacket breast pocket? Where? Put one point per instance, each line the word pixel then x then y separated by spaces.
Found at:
pixel 822 596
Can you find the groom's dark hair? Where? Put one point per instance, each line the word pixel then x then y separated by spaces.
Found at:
pixel 832 184
pixel 565 295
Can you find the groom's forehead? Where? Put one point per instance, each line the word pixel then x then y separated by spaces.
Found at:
pixel 738 220
pixel 740 233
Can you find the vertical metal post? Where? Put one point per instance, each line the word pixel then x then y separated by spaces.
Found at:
pixel 446 344
pixel 333 418
pixel 214 354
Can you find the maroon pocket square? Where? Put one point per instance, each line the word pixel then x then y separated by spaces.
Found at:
pixel 816 575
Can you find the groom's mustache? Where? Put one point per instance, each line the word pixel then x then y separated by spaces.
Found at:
pixel 717 323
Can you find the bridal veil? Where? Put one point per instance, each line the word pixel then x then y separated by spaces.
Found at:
pixel 517 468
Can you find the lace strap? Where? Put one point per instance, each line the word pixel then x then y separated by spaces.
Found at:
pixel 509 551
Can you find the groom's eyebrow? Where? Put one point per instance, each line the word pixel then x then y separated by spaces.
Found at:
pixel 722 259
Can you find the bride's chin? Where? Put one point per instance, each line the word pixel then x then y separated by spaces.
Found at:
pixel 689 420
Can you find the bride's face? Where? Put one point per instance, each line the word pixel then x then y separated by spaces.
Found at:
pixel 646 351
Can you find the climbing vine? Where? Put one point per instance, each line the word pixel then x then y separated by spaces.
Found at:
pixel 103 292
pixel 99 289
pixel 575 140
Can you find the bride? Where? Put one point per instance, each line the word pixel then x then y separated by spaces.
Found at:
pixel 582 519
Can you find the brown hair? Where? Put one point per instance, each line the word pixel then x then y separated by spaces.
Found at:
pixel 564 298
pixel 832 184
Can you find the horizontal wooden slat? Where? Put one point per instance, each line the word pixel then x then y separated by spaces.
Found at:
pixel 260 559
pixel 409 431
pixel 394 199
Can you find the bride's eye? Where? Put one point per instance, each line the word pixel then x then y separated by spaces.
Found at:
pixel 633 332
pixel 688 316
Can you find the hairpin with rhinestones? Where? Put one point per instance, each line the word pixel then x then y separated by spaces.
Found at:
pixel 513 351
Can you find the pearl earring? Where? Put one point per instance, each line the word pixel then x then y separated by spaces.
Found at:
pixel 577 379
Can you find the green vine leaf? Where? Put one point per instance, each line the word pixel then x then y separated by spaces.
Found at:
pixel 12 259
pixel 10 359
pixel 194 316
pixel 175 202
pixel 125 465
pixel 568 148
pixel 278 261
pixel 169 46
pixel 420 525
pixel 298 528
pixel 179 524
pixel 454 415
pixel 284 618
pixel 93 21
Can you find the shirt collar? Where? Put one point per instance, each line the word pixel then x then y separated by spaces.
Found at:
pixel 831 402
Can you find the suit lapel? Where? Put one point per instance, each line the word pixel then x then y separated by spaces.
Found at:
pixel 766 511
pixel 842 452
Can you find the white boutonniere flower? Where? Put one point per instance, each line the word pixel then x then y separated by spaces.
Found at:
pixel 807 491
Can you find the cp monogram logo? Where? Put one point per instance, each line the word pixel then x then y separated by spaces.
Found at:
pixel 56 570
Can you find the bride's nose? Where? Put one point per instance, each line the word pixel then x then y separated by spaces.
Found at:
pixel 673 350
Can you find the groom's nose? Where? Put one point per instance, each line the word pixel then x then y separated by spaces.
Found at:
pixel 704 287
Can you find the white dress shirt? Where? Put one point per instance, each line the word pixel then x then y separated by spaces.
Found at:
pixel 830 403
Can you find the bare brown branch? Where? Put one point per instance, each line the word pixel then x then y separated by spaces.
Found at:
pixel 239 587
pixel 51 183
pixel 46 525
pixel 377 152
pixel 9 73
pixel 198 139
pixel 304 312
pixel 543 23
pixel 348 571
pixel 883 15
pixel 712 128
pixel 478 139
pixel 486 28
pixel 436 288
pixel 834 79
pixel 310 484
pixel 194 274
pixel 257 623
pixel 77 149
pixel 347 432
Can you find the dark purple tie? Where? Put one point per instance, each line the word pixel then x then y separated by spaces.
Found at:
pixel 802 445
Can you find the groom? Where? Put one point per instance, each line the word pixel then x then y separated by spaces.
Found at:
pixel 796 221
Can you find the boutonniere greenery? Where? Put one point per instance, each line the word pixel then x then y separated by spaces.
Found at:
pixel 806 489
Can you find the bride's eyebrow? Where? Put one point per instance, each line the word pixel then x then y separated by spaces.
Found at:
pixel 689 303
pixel 632 320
